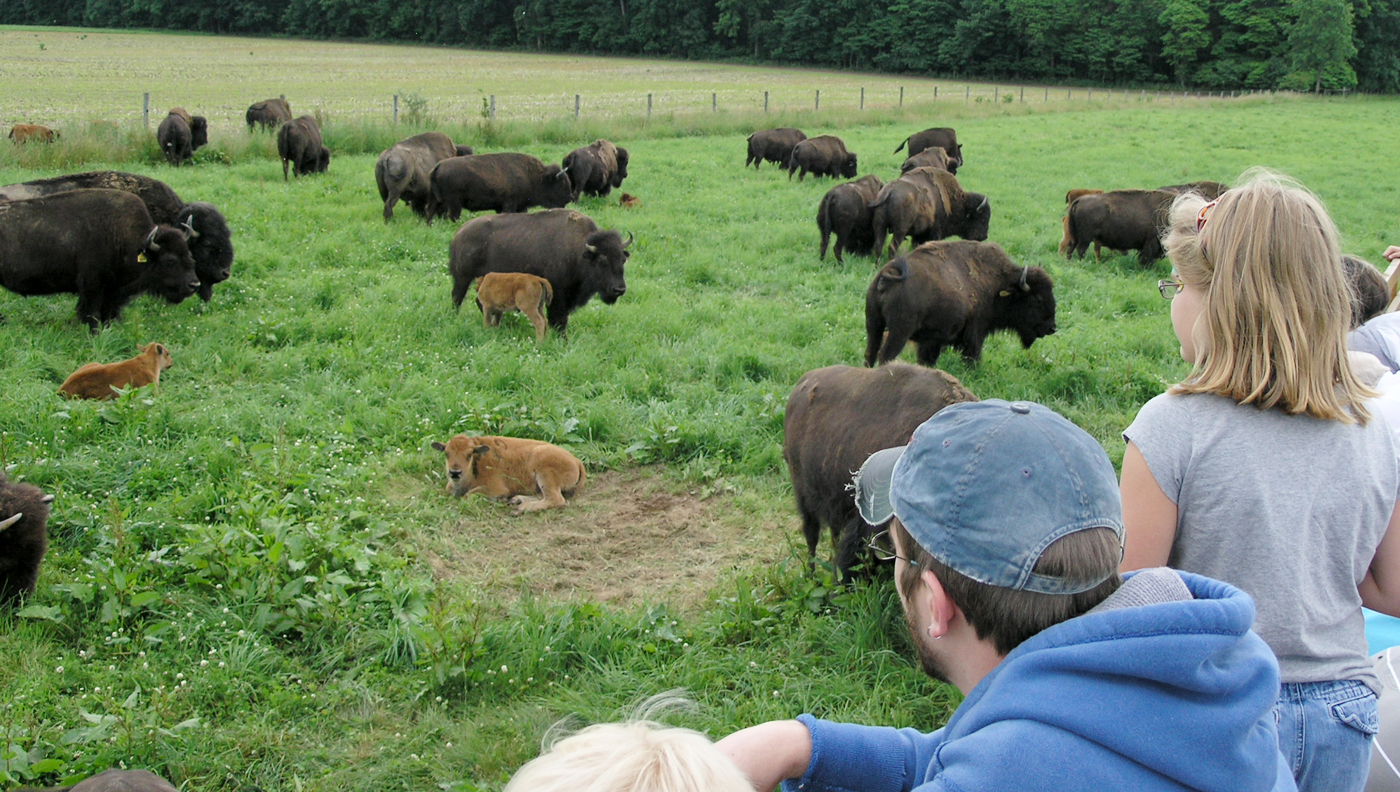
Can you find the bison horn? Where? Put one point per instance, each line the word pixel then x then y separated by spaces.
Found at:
pixel 563 174
pixel 11 520
pixel 592 249
pixel 1024 272
pixel 984 203
pixel 150 243
pixel 188 230
pixel 628 242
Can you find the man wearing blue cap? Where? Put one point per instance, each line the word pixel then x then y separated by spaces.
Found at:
pixel 1007 535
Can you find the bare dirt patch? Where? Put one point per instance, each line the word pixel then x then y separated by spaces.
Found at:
pixel 632 535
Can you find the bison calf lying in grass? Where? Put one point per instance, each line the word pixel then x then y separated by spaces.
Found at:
pixel 498 293
pixel 510 467
pixel 25 133
pixel 24 537
pixel 100 380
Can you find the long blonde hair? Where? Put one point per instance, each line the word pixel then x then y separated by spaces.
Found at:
pixel 1273 328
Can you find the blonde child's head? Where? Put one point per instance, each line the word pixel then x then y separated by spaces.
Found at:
pixel 1277 304
pixel 636 756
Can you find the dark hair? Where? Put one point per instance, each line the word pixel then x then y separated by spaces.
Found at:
pixel 1369 292
pixel 1008 616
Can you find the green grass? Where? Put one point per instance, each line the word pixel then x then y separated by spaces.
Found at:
pixel 271 509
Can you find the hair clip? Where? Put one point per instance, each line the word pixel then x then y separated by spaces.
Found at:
pixel 1201 218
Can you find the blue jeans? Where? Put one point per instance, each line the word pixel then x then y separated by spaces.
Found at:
pixel 1325 731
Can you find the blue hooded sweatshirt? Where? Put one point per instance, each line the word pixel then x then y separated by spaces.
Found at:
pixel 1172 696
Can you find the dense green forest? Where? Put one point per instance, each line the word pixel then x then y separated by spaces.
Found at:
pixel 1210 44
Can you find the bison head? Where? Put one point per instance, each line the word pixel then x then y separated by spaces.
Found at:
pixel 323 160
pixel 604 254
pixel 978 217
pixel 849 168
pixel 168 267
pixel 621 167
pixel 462 454
pixel 209 245
pixel 199 132
pixel 556 189
pixel 1029 304
pixel 464 151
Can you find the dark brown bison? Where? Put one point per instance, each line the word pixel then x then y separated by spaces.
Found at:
pixel 597 168
pixel 562 246
pixel 270 113
pixel 99 244
pixel 1067 241
pixel 933 157
pixel 945 137
pixel 823 155
pixel 1206 189
pixel 954 293
pixel 299 145
pixel 928 204
pixel 210 241
pixel 773 145
pixel 1121 220
pixel 504 182
pixel 24 537
pixel 31 133
pixel 180 135
pixel 845 212
pixel 404 169
pixel 836 418
pixel 115 780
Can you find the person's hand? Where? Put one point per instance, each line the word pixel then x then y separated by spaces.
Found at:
pixel 769 753
pixel 1391 253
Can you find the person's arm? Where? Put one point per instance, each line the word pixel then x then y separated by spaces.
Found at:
pixel 1380 589
pixel 770 753
pixel 814 755
pixel 1149 516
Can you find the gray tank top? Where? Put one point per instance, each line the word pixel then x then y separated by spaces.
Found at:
pixel 1286 507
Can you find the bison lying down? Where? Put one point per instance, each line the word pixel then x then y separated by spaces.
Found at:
pixel 510 467
pixel 100 380
pixel 24 537
pixel 25 133
pixel 498 293
pixel 837 417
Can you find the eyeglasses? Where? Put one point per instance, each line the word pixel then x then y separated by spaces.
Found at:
pixel 1170 287
pixel 882 553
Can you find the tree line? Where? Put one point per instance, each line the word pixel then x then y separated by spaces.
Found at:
pixel 1192 44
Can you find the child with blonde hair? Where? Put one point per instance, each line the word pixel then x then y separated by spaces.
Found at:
pixel 1264 468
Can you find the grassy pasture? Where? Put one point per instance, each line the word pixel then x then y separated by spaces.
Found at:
pixel 256 580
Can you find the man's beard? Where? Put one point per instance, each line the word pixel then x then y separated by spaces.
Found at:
pixel 927 661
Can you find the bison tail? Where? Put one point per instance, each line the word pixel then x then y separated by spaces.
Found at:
pixel 901 146
pixel 894 272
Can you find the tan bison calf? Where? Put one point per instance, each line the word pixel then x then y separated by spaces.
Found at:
pixel 100 380
pixel 24 133
pixel 1067 242
pixel 510 467
pixel 499 293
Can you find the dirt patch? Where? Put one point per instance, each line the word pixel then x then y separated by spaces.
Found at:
pixel 632 535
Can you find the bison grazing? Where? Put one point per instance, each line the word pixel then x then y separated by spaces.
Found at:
pixel 1067 241
pixel 954 293
pixel 1121 220
pixel 270 113
pixel 773 145
pixel 837 417
pixel 597 168
pixel 562 246
pixel 100 380
pixel 499 293
pixel 504 182
pixel 823 155
pixel 944 137
pixel 928 204
pixel 403 170
pixel 24 537
pixel 299 145
pixel 209 241
pixel 30 133
pixel 100 244
pixel 1206 189
pixel 180 135
pixel 934 157
pixel 845 212
pixel 509 467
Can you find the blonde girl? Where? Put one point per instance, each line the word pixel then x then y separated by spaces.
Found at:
pixel 1264 467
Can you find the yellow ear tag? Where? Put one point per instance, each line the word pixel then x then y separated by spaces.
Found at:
pixel 1004 294
pixel 141 257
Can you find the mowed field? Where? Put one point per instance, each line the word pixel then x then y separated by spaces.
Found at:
pixel 256 580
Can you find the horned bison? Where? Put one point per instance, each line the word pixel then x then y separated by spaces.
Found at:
pixel 1121 220
pixel 403 170
pixel 773 145
pixel 945 137
pixel 845 212
pixel 498 293
pixel 100 380
pixel 299 144
pixel 24 537
pixel 532 474
pixel 503 182
pixel 597 168
pixel 954 293
pixel 180 135
pixel 838 416
pixel 928 204
pixel 823 155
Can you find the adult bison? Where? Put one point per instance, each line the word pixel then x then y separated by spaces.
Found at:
pixel 1121 220
pixel 823 155
pixel 403 170
pixel 30 133
pixel 597 168
pixel 1206 189
pixel 299 145
pixel 100 244
pixel 837 417
pixel 562 246
pixel 503 182
pixel 210 241
pixel 180 135
pixel 934 157
pixel 1067 241
pixel 945 137
pixel 845 212
pixel 954 293
pixel 773 145
pixel 928 204
pixel 270 113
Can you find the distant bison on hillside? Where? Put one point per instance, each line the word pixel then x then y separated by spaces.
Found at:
pixel 773 145
pixel 270 113
pixel 946 137
pixel 299 145
pixel 180 135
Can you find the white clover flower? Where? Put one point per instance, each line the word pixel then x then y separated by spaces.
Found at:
pixel 58 670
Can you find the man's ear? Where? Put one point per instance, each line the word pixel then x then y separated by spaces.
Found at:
pixel 941 610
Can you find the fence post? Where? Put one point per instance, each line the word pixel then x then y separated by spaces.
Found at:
pixel 818 105
pixel 968 96
pixel 1091 94
pixel 576 106
pixel 996 94
pixel 714 103
pixel 1047 96
pixel 1125 95
pixel 901 94
pixel 765 101
pixel 493 107
pixel 1023 94
pixel 146 110
pixel 396 109
pixel 862 97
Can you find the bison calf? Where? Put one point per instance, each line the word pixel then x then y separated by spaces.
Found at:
pixel 954 293
pixel 845 212
pixel 838 416
pixel 24 537
pixel 27 133
pixel 100 380
pixel 514 468
pixel 498 293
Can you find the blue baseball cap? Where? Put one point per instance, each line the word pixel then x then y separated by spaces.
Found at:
pixel 986 486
